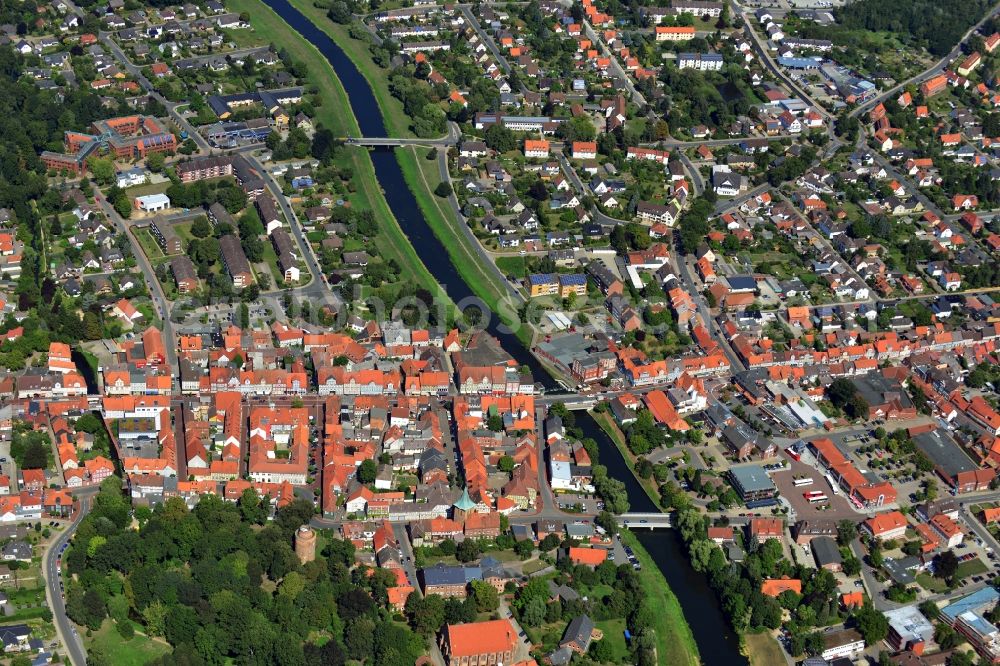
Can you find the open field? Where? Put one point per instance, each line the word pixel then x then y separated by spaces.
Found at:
pixel 614 635
pixel 137 651
pixel 762 649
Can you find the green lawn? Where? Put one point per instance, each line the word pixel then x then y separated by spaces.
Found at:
pixel 137 651
pixel 762 649
pixel 533 566
pixel 271 259
pixel 930 583
pixel 393 116
pixel 148 243
pixel 674 642
pixel 244 38
pixel 971 568
pixel 334 112
pixel 512 266
pixel 614 634
pixel 148 188
pixel 422 177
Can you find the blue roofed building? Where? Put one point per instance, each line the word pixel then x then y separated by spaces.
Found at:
pixel 575 283
pixel 800 63
pixel 965 615
pixel 449 581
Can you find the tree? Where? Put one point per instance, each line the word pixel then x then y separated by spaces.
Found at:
pixel 499 138
pixel 602 651
pixel 367 471
pixel 946 566
pixel 467 551
pixel 443 189
pixel 89 423
pixel 36 456
pixel 102 170
pixel 840 390
pixel 533 614
pixel 577 128
pixel 252 508
pixel 847 531
pixel 92 328
pixel 548 543
pixel 122 206
pixel 946 637
pixel 155 161
pixel 426 614
pixel 872 624
pixel 506 464
pixel 606 521
pixel 487 599
pixel 201 227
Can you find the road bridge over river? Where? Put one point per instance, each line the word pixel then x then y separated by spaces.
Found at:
pixel 645 520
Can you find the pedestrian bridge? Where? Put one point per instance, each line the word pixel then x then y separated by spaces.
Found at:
pixel 648 520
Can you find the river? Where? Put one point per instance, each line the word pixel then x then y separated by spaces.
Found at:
pixel 717 644
pixel 399 197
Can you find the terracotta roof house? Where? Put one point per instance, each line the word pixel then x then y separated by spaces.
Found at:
pixel 773 587
pixel 490 642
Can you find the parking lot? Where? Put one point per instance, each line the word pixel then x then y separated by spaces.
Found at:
pixel 837 508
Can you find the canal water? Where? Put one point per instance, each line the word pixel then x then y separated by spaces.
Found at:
pixel 397 194
pixel 717 644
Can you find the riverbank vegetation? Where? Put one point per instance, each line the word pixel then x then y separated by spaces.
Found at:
pixel 372 62
pixel 422 176
pixel 739 587
pixel 675 642
pixel 614 433
pixel 334 114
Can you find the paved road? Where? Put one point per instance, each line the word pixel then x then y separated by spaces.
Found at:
pixel 691 286
pixel 722 205
pixel 474 22
pixel 160 302
pixel 65 630
pixel 399 531
pixel 697 182
pixel 750 22
pixel 616 66
pixel 317 289
pixel 760 45
pixel 446 142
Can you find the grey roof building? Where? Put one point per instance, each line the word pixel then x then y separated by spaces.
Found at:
pixel 826 553
pixel 577 634
pixel 948 457
pixel 752 482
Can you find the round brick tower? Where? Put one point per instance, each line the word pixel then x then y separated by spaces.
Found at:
pixel 305 544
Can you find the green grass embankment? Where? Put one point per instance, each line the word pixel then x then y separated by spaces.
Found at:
pixel 334 112
pixel 422 176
